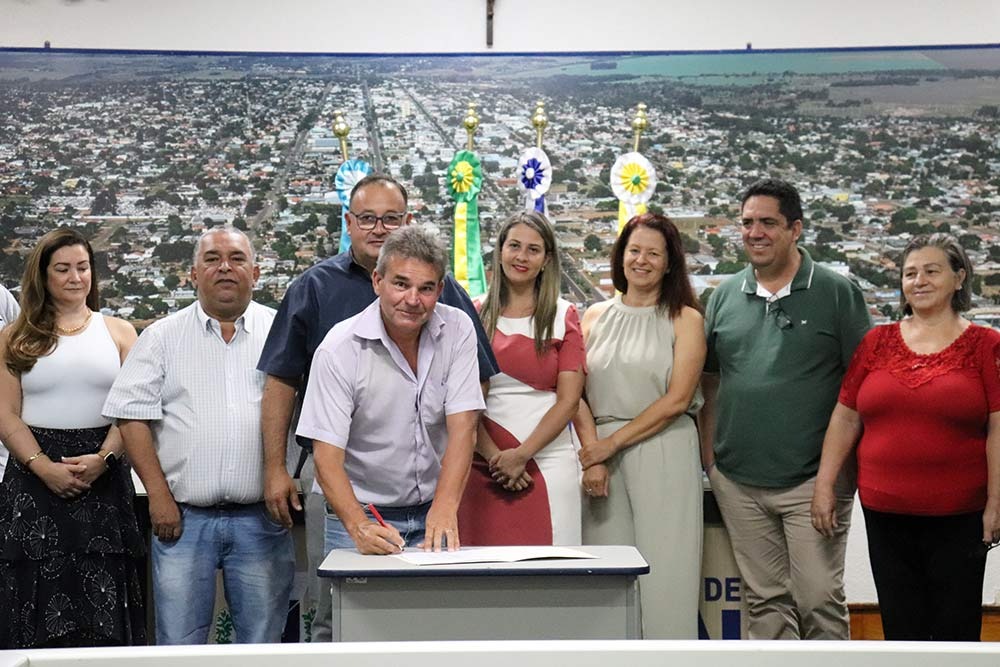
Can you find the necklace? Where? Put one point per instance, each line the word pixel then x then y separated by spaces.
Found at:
pixel 69 332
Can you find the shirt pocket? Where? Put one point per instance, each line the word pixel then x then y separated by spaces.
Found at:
pixel 432 401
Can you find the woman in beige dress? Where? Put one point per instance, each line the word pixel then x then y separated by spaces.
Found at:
pixel 642 471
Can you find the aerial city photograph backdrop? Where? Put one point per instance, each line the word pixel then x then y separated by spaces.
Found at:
pixel 144 151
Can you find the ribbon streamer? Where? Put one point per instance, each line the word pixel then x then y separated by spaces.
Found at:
pixel 347 177
pixel 534 176
pixel 633 180
pixel 465 180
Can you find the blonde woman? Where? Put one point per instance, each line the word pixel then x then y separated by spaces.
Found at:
pixel 524 484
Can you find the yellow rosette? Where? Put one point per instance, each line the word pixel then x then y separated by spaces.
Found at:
pixel 633 180
pixel 465 179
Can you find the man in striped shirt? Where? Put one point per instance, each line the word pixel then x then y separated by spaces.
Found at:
pixel 187 402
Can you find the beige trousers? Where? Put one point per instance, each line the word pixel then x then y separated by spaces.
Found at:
pixel 793 577
pixel 655 503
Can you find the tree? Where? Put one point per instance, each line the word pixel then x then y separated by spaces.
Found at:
pixel 105 203
pixel 254 205
pixel 593 243
pixel 171 281
pixel 174 225
pixel 690 244
pixel 728 268
pixel 970 241
pixel 174 252
pixel 600 190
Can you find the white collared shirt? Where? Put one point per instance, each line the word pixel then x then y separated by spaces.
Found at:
pixel 202 396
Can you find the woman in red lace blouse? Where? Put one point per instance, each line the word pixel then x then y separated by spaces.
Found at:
pixel 921 400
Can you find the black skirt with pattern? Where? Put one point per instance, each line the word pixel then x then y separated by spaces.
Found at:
pixel 68 567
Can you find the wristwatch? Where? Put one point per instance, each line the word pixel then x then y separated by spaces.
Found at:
pixel 110 459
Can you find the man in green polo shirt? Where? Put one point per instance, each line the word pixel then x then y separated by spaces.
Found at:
pixel 780 337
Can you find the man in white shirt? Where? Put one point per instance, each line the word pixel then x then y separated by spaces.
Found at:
pixel 9 310
pixel 187 402
pixel 392 406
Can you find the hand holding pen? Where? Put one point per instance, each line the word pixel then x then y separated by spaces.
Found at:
pixel 384 533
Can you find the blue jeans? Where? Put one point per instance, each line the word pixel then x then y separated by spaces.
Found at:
pixel 257 560
pixel 409 521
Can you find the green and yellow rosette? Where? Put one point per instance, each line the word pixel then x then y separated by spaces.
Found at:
pixel 465 180
pixel 633 180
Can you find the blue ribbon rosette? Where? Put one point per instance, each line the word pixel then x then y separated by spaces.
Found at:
pixel 534 176
pixel 347 177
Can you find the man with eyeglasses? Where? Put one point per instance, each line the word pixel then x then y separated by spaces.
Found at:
pixel 781 334
pixel 325 294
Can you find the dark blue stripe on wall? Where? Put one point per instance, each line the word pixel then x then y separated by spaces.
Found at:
pixel 490 54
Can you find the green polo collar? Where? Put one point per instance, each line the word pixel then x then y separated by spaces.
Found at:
pixel 802 280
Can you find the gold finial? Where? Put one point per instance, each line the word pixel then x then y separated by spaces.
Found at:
pixel 639 124
pixel 539 120
pixel 341 129
pixel 470 122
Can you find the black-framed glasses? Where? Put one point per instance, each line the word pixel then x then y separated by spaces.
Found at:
pixel 390 220
pixel 781 318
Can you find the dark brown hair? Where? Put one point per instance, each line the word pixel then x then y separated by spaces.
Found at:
pixel 33 333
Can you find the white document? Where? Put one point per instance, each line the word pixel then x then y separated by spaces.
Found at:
pixel 490 555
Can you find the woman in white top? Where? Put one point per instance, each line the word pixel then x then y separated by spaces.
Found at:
pixel 68 532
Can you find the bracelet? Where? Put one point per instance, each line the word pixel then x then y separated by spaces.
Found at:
pixel 34 456
pixel 111 460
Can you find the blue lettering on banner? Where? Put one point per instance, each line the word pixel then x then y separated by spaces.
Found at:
pixel 731 625
pixel 723 591
pixel 715 588
pixel 733 589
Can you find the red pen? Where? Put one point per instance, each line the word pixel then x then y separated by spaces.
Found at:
pixel 378 517
pixel 381 521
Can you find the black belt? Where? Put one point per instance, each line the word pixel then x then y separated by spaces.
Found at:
pixel 224 507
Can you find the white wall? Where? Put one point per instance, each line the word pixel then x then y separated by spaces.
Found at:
pixel 334 26
pixel 440 26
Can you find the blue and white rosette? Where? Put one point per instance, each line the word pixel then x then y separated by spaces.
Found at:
pixel 534 176
pixel 347 177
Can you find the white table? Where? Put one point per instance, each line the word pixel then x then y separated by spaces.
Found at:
pixel 381 598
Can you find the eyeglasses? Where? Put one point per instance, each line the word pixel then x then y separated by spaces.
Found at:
pixel 367 221
pixel 781 318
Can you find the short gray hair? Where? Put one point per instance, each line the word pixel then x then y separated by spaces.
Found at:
pixel 227 229
pixel 413 242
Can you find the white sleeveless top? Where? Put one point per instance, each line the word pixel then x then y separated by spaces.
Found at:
pixel 67 387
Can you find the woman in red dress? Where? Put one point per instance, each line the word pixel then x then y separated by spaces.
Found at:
pixel 524 484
